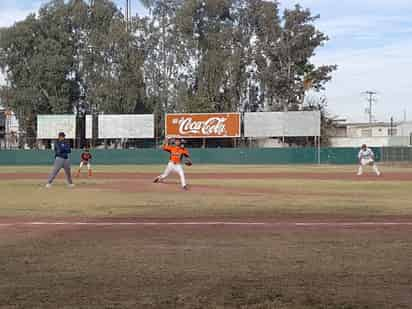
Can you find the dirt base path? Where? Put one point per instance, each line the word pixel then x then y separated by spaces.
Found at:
pixel 286 175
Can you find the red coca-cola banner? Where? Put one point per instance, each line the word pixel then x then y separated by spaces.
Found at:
pixel 203 125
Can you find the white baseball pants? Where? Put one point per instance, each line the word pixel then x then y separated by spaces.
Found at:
pixel 88 165
pixel 176 168
pixel 365 162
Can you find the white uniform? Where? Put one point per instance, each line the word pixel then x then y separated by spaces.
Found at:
pixel 175 163
pixel 367 157
pixel 89 166
pixel 178 169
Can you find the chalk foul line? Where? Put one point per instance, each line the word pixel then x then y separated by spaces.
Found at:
pixel 211 223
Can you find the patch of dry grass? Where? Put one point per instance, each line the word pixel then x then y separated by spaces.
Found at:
pixel 227 198
pixel 207 268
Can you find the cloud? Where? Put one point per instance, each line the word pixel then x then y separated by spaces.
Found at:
pixel 352 5
pixel 385 70
pixel 10 16
pixel 371 42
pixel 12 11
pixel 137 7
pixel 373 25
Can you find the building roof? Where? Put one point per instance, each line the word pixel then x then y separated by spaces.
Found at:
pixel 367 124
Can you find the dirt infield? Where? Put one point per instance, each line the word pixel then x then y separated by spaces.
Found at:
pixel 170 185
pixel 139 185
pixel 393 176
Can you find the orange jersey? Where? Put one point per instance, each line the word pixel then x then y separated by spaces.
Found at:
pixel 176 153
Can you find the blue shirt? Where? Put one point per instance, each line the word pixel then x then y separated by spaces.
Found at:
pixel 62 149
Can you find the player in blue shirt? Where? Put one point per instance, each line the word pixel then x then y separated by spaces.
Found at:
pixel 62 161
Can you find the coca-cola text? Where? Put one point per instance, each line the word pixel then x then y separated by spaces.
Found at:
pixel 212 126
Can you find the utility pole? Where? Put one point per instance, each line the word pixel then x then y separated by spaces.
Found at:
pixel 392 127
pixel 128 13
pixel 371 99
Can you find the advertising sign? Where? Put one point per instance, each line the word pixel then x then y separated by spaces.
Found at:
pixel 219 125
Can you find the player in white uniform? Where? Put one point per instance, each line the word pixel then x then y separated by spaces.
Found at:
pixel 367 157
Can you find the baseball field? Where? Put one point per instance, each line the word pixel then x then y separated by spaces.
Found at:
pixel 241 237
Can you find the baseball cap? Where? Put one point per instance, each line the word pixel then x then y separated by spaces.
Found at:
pixel 62 134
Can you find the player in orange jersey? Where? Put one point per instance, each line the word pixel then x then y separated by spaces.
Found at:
pixel 178 155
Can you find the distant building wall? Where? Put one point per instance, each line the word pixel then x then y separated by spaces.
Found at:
pixel 374 130
pixel 339 131
pixel 377 141
pixel 405 129
pixel 270 143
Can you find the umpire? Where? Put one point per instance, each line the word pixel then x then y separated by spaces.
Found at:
pixel 62 150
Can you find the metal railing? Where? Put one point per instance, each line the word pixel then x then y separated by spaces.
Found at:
pixel 396 154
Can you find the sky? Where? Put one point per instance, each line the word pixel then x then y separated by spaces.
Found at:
pixel 370 41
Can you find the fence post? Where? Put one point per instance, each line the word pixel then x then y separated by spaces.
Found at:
pixel 319 151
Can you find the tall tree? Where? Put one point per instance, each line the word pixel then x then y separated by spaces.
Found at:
pixel 112 61
pixel 164 58
pixel 285 49
pixel 187 55
pixel 74 56
pixel 37 57
pixel 243 55
pixel 206 28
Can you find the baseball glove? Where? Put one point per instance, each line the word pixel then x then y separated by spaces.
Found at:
pixel 188 162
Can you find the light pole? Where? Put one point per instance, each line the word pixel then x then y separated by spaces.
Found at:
pixel 128 13
pixel 371 99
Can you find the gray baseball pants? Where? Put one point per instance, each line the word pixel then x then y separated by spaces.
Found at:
pixel 59 164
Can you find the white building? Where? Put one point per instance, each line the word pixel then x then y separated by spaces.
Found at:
pixel 377 134
pixel 405 129
pixel 378 129
pixel 9 129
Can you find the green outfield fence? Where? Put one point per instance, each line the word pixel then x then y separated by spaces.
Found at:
pixel 396 154
pixel 199 156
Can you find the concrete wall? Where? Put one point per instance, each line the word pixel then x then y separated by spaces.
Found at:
pixel 405 129
pixel 377 131
pixel 383 141
pixel 270 143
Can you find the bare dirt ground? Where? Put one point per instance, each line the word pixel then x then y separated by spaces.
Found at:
pixel 392 176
